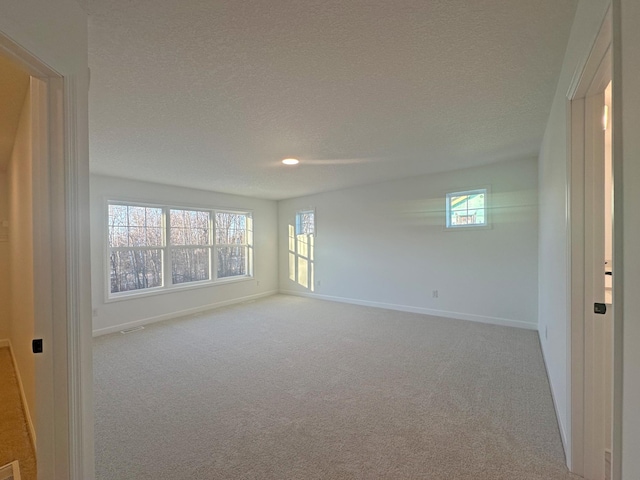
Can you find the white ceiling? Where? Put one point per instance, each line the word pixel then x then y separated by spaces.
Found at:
pixel 213 94
pixel 14 83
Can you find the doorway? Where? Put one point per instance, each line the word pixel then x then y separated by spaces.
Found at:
pixel 31 297
pixel 49 42
pixel 591 256
pixel 17 319
pixel 598 287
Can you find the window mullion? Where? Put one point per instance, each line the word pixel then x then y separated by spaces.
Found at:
pixel 166 259
pixel 140 225
pixel 214 244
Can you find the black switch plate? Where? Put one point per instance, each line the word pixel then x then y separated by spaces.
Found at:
pixel 36 345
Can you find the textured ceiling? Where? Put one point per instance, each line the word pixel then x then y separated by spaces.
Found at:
pixel 14 83
pixel 213 94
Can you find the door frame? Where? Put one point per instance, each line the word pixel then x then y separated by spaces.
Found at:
pixel 64 438
pixel 589 81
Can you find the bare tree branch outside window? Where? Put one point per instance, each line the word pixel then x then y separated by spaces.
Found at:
pixel 190 245
pixel 231 244
pixel 135 261
pixel 305 222
pixel 200 246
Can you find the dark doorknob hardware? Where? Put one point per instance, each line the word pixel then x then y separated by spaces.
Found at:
pixel 599 308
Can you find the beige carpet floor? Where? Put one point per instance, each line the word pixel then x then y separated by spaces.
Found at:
pixel 296 388
pixel 14 436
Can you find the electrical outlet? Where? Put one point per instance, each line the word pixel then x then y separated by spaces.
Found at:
pixel 435 294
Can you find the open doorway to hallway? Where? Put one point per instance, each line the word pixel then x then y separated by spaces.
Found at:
pixel 599 328
pixel 17 316
pixel 592 250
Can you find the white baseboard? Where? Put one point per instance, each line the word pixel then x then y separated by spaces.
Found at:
pixel 178 314
pixel 425 311
pixel 561 426
pixel 23 397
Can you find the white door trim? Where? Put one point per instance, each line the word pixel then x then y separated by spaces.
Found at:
pixel 61 257
pixel 589 81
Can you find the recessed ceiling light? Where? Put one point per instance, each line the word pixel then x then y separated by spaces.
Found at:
pixel 291 161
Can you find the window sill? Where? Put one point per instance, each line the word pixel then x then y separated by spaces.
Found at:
pixel 174 289
pixel 467 228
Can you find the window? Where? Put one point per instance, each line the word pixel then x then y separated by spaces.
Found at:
pixel 305 222
pixel 190 245
pixel 467 209
pixel 232 243
pixel 160 247
pixel 136 247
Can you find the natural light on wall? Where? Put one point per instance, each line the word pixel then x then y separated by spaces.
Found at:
pixel 301 249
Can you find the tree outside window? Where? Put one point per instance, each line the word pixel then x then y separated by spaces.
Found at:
pixel 467 209
pixel 136 243
pixel 201 246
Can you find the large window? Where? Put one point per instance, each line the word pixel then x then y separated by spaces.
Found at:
pixel 467 209
pixel 160 247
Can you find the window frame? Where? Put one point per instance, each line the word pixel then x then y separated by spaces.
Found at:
pixel 110 249
pixel 298 222
pixel 486 191
pixel 166 250
pixel 171 246
pixel 247 245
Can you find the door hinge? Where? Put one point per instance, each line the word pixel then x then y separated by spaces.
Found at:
pixel 36 345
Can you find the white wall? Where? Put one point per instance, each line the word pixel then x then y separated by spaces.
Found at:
pixel 114 315
pixel 386 245
pixel 553 228
pixel 627 106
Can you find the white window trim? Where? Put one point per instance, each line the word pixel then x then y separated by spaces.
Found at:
pixel 168 286
pixel 167 272
pixel 486 189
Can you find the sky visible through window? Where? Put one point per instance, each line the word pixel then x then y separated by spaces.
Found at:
pixel 148 243
pixel 305 222
pixel 466 208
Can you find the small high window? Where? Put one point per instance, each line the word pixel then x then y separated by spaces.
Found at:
pixel 306 222
pixel 467 209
